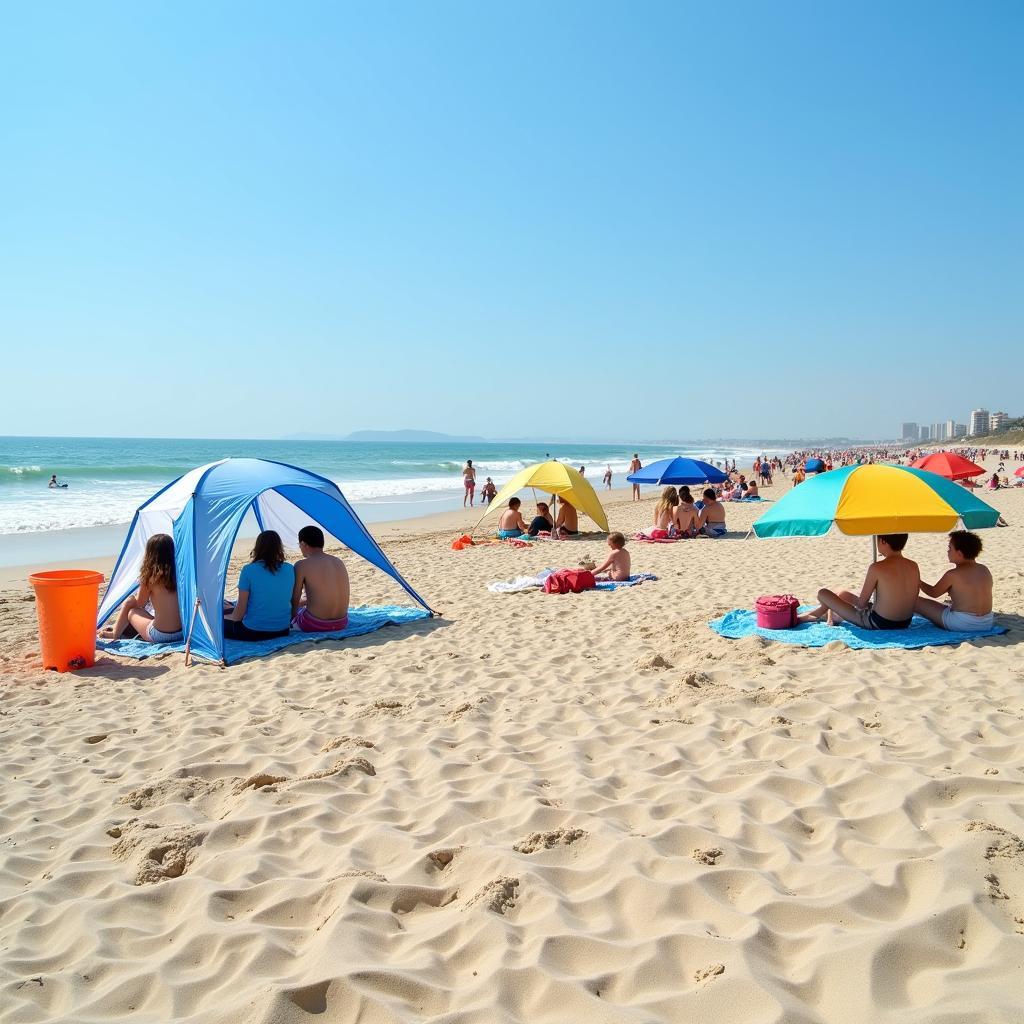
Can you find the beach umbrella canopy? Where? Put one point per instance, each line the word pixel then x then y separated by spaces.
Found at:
pixel 678 471
pixel 950 465
pixel 1019 472
pixel 814 466
pixel 552 478
pixel 864 500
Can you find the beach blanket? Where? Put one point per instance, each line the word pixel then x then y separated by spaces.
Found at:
pixel 741 622
pixel 360 621
pixel 522 583
pixel 639 577
pixel 646 538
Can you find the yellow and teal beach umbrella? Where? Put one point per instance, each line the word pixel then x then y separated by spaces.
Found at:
pixel 866 500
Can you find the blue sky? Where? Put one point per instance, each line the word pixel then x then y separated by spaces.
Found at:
pixel 593 219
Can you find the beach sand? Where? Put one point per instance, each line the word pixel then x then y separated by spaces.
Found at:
pixel 532 808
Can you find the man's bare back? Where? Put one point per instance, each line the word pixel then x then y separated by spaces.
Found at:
pixel 897 581
pixel 325 581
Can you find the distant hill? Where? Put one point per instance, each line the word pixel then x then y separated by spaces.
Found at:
pixel 411 436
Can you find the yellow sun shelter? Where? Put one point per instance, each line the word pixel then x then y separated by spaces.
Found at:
pixel 552 478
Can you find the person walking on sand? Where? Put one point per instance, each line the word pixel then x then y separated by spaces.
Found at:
pixel 468 482
pixel 634 467
pixel 886 599
pixel 321 594
pixel 969 585
pixel 608 479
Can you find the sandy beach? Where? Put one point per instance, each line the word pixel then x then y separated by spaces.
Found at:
pixel 531 808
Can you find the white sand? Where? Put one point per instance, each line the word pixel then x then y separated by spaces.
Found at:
pixel 536 808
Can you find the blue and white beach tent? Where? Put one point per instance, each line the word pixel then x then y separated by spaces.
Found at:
pixel 203 511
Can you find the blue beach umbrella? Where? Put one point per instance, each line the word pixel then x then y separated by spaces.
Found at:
pixel 678 471
pixel 814 466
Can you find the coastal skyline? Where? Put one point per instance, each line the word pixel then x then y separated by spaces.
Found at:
pixel 460 216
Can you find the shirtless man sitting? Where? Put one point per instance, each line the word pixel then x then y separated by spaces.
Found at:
pixel 893 583
pixel 568 521
pixel 324 579
pixel 511 523
pixel 969 585
pixel 711 521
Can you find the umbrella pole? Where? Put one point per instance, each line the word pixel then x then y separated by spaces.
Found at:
pixel 874 548
pixel 554 516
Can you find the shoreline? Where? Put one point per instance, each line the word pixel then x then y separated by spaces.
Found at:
pixel 455 521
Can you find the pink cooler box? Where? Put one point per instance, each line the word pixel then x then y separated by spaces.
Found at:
pixel 776 611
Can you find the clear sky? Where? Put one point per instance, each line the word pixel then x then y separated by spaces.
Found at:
pixel 629 220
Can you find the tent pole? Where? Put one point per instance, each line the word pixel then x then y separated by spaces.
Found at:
pixel 191 626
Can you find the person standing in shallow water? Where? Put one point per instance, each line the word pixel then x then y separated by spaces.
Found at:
pixel 635 467
pixel 468 482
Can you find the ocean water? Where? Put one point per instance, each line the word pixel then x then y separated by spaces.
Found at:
pixel 108 478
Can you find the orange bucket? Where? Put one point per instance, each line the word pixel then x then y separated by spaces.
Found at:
pixel 66 603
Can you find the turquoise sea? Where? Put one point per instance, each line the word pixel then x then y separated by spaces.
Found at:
pixel 108 478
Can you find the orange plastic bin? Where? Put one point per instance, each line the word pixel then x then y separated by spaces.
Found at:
pixel 66 603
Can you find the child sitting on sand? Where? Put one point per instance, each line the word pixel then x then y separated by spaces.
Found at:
pixel 152 614
pixel 893 583
pixel 969 585
pixel 511 523
pixel 617 564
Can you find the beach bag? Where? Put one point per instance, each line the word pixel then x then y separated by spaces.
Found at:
pixel 569 581
pixel 776 611
pixel 465 541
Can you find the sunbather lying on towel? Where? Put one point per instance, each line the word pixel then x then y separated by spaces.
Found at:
pixel 887 598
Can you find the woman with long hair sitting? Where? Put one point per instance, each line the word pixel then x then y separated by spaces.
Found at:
pixel 152 614
pixel 264 607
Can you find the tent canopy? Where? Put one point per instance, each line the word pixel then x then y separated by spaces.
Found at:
pixel 203 511
pixel 552 478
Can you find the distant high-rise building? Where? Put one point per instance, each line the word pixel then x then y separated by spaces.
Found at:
pixel 938 431
pixel 910 432
pixel 961 430
pixel 925 432
pixel 997 421
pixel 979 422
pixel 951 430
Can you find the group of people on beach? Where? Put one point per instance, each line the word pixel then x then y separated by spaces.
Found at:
pixel 892 589
pixel 511 523
pixel 274 596
pixel 677 514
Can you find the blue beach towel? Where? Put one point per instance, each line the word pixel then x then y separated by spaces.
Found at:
pixel 631 582
pixel 741 622
pixel 360 621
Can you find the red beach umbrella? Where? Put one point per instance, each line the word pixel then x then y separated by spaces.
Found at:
pixel 1019 472
pixel 950 465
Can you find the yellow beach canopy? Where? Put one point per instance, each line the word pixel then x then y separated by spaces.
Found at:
pixel 552 478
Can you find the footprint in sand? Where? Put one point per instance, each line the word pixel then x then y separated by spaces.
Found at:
pixel 546 840
pixel 158 852
pixel 709 856
pixel 499 896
